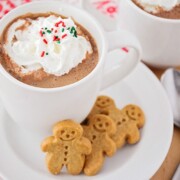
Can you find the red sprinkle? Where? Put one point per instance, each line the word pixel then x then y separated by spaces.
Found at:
pixel 63 36
pixel 41 34
pixel 52 29
pixel 6 11
pixel 42 54
pixel 11 4
pixel 55 31
pixel 1 7
pixel 55 38
pixel 60 22
pixel 27 1
pixel 57 24
pixel 125 49
pixel 63 25
pixel 45 41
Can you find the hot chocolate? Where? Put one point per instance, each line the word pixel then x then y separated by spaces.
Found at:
pixel 169 9
pixel 47 50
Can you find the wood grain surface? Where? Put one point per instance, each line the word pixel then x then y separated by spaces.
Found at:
pixel 172 160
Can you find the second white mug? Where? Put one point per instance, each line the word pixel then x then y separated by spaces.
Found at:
pixel 159 37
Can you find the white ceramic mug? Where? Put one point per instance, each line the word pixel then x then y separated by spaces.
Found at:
pixel 159 37
pixel 37 109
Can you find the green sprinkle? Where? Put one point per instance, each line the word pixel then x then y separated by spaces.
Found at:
pixel 47 53
pixel 72 30
pixel 58 42
pixel 49 31
pixel 75 34
pixel 45 28
pixel 43 32
pixel 56 36
pixel 62 29
pixel 68 28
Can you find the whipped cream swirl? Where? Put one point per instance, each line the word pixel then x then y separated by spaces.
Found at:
pixel 49 42
pixel 155 6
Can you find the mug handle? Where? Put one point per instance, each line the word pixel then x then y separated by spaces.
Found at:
pixel 116 40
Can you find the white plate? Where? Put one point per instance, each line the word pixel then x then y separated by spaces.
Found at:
pixel 22 159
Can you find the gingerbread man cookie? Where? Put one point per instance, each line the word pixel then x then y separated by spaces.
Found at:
pixel 127 130
pixel 98 131
pixel 128 122
pixel 135 114
pixel 67 147
pixel 102 105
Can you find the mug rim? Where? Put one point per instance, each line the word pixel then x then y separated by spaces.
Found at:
pixel 156 18
pixel 69 86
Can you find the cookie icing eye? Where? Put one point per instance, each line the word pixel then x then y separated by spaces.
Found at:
pixel 98 119
pixel 62 132
pixel 94 137
pixel 107 124
pixel 73 132
pixel 119 123
pixel 103 102
pixel 123 120
pixel 100 125
pixel 67 135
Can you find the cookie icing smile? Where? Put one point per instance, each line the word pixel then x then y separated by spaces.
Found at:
pixel 98 129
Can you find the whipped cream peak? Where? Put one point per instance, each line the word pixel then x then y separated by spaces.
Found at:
pixel 155 6
pixel 51 43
